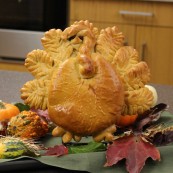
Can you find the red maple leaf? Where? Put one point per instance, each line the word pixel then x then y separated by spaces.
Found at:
pixel 134 149
pixel 57 150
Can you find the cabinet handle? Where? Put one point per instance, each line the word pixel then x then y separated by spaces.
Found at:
pixel 143 50
pixel 136 13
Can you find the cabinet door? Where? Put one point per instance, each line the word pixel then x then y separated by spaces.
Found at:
pixel 155 46
pixel 122 11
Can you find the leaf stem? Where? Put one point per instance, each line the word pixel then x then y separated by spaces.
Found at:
pixel 2 105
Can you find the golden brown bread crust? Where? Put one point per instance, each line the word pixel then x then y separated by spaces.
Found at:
pixel 137 101
pixel 86 79
pixel 85 106
pixel 134 75
pixel 109 41
pixel 40 64
pixel 133 72
pixel 35 93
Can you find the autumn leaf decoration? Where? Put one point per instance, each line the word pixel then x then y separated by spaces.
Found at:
pixel 139 142
pixel 134 149
pixel 57 150
pixel 74 148
pixel 135 143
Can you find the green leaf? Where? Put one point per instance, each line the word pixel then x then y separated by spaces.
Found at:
pixel 90 147
pixel 22 107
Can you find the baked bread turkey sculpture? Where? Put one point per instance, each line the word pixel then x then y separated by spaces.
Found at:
pixel 87 80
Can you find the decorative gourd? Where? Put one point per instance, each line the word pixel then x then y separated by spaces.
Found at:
pixel 126 120
pixel 27 125
pixel 7 111
pixel 14 147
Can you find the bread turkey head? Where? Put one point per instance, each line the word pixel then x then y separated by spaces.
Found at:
pixel 86 80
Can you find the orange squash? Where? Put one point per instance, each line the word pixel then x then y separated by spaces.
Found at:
pixel 126 120
pixel 7 111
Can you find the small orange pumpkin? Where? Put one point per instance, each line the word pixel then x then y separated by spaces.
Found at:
pixel 7 111
pixel 126 120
